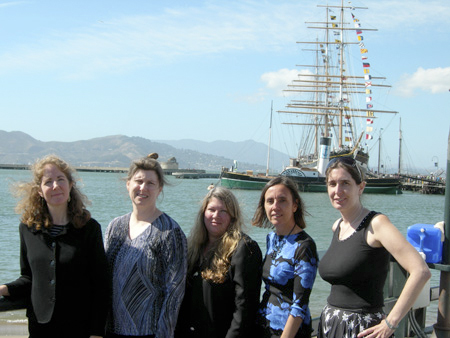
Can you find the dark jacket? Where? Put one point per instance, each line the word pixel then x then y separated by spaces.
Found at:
pixel 228 309
pixel 64 276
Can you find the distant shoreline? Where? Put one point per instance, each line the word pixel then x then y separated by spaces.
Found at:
pixel 201 173
pixel 89 169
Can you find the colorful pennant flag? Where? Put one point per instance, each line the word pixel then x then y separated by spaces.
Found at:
pixel 369 121
pixel 366 64
pixel 368 98
pixel 369 129
pixel 364 50
pixel 369 106
pixel 369 137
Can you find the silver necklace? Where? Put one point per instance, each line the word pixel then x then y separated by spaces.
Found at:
pixel 352 223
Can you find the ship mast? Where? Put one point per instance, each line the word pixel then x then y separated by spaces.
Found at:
pixel 329 111
pixel 270 138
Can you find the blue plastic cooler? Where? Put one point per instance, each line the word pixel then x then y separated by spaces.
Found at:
pixel 427 239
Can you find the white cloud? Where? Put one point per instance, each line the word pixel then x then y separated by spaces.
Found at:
pixel 280 80
pixel 394 14
pixel 121 43
pixel 434 81
pixel 12 3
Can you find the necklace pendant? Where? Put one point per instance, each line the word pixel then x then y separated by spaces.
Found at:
pixel 277 246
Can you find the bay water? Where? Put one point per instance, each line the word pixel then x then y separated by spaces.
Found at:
pixel 181 200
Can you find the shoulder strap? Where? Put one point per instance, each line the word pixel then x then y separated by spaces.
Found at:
pixel 366 221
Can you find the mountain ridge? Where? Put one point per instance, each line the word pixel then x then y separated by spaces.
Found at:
pixel 17 147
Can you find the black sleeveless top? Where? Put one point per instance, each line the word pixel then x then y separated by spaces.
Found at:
pixel 356 271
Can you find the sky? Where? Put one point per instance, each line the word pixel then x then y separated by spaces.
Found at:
pixel 209 70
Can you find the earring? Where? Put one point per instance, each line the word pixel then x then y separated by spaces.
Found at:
pixel 68 200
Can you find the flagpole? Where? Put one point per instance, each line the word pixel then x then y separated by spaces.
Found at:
pixel 400 148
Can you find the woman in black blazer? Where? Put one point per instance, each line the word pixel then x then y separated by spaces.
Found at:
pixel 223 283
pixel 62 259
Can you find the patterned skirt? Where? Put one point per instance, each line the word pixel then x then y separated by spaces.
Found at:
pixel 336 322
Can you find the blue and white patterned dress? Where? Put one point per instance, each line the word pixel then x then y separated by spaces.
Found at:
pixel 148 277
pixel 289 271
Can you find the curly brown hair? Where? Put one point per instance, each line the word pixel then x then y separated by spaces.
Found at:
pixel 33 208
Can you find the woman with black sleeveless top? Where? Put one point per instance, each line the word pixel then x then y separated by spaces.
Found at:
pixel 356 263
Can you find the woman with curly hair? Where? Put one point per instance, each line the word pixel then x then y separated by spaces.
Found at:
pixel 290 264
pixel 224 272
pixel 62 260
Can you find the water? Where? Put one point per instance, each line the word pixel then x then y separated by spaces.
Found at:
pixel 181 200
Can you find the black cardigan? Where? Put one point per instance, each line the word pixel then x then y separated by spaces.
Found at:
pixel 66 277
pixel 228 309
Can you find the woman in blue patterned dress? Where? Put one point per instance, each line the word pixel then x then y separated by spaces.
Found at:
pixel 146 252
pixel 290 264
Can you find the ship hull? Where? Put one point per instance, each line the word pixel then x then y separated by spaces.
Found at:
pixel 234 180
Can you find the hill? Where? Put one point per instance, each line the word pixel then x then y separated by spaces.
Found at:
pixel 119 150
pixel 244 152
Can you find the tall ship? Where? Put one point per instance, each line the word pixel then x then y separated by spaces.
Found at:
pixel 335 109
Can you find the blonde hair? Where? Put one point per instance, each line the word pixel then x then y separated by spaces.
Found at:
pixel 33 208
pixel 218 262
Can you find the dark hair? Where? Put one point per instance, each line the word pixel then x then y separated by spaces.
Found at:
pixel 260 218
pixel 147 163
pixel 347 163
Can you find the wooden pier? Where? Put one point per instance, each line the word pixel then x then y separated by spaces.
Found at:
pixel 423 184
pixel 180 173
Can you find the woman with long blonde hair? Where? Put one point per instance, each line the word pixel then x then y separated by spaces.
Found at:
pixel 224 272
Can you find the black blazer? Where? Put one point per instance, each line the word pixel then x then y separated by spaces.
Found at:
pixel 228 309
pixel 65 277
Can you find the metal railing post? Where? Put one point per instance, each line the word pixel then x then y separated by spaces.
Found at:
pixel 442 326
